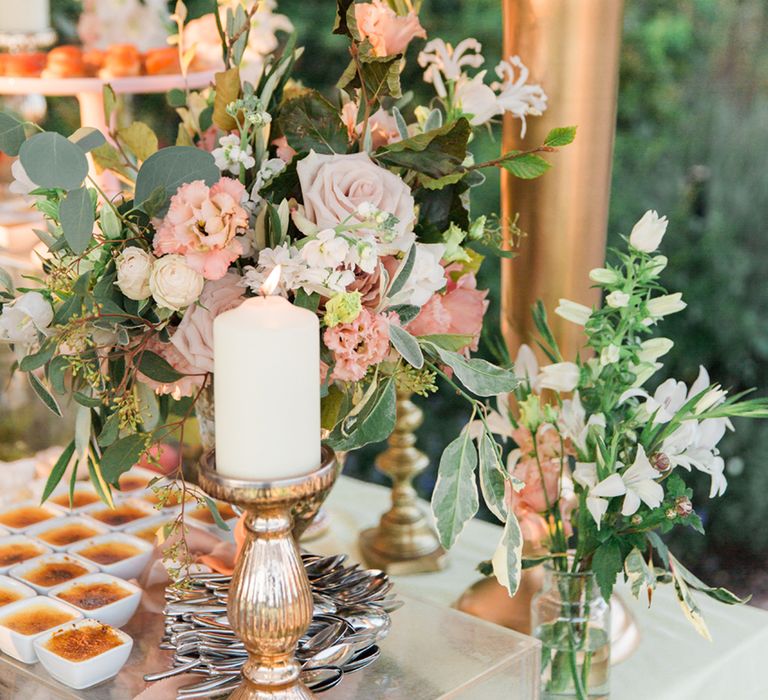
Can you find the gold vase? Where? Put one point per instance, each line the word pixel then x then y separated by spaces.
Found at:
pixel 404 542
pixel 270 600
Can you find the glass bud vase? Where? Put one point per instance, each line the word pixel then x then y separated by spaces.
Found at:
pixel 572 621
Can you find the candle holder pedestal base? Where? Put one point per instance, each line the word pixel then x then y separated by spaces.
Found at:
pixel 404 542
pixel 269 604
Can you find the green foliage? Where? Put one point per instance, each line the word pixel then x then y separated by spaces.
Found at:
pixel 77 219
pixel 527 166
pixel 12 134
pixel 53 162
pixel 312 123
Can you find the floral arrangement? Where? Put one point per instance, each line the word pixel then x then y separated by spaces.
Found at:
pixel 360 198
pixel 599 463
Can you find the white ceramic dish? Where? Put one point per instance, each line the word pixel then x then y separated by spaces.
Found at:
pixel 149 524
pixel 39 531
pixel 81 487
pixel 21 539
pixel 17 588
pixel 136 480
pixel 22 570
pixel 99 510
pixel 116 614
pixel 83 674
pixel 191 519
pixel 20 646
pixel 130 567
pixel 52 510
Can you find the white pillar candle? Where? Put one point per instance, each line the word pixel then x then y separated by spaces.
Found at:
pixel 24 17
pixel 267 390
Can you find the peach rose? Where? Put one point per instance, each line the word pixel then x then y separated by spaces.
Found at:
pixel 334 186
pixel 202 224
pixel 458 311
pixel 387 32
pixel 194 336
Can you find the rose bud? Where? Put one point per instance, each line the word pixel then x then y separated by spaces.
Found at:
pixel 661 462
pixel 683 506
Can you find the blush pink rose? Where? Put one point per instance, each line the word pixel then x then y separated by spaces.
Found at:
pixel 334 186
pixel 358 345
pixel 457 311
pixel 202 224
pixel 387 32
pixel 194 336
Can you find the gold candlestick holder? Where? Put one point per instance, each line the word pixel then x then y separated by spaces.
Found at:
pixel 404 542
pixel 270 599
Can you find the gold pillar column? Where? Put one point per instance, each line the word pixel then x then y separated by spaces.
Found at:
pixel 572 49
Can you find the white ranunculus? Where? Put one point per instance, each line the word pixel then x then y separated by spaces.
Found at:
pixel 175 285
pixel 654 348
pixel 609 355
pixel 665 305
pixel 21 320
pixel 617 299
pixel 573 311
pixel 602 275
pixel 325 250
pixel 427 275
pixel 647 233
pixel 561 377
pixel 134 266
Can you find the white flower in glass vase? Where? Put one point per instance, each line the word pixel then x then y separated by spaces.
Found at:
pixel 654 348
pixel 603 275
pixel 23 319
pixel 640 482
pixel 665 305
pixel 585 474
pixel 647 233
pixel 617 299
pixel 573 423
pixel 609 355
pixel 527 367
pixel 573 311
pixel 515 95
pixel 561 376
pixel 175 285
pixel 134 266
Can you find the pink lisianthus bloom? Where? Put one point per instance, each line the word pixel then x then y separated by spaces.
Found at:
pixel 358 345
pixel 187 385
pixel 202 224
pixel 458 310
pixel 387 32
pixel 194 336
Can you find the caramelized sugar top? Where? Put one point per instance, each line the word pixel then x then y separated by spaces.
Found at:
pixel 80 498
pixel 36 619
pixel 109 552
pixel 8 595
pixel 148 534
pixel 203 514
pixel 120 515
pixel 53 573
pixel 17 552
pixel 67 534
pixel 83 643
pixel 90 596
pixel 25 516
pixel 131 482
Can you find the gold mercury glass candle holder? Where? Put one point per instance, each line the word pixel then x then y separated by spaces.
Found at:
pixel 270 600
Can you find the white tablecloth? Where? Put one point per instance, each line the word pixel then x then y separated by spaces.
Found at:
pixel 672 663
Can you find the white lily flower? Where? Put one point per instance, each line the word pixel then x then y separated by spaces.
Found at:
pixel 573 311
pixel 617 299
pixel 647 233
pixel 22 320
pixel 665 305
pixel 609 355
pixel 561 377
pixel 515 96
pixel 603 275
pixel 641 485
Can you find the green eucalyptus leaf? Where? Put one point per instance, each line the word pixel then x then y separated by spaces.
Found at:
pixel 87 138
pixel 58 471
pixel 44 395
pixel 407 346
pixel 120 456
pixel 215 513
pixel 477 375
pixel 6 281
pixel 77 219
pixel 12 134
pixel 158 369
pixel 110 222
pixel 110 431
pixel 53 162
pixel 38 359
pixel 57 370
pixel 455 499
pixel 373 424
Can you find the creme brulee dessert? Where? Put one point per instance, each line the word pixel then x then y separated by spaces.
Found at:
pixel 80 498
pixel 131 482
pixel 90 596
pixel 169 500
pixel 8 595
pixel 67 534
pixel 83 643
pixel 52 573
pixel 25 516
pixel 119 515
pixel 36 619
pixel 148 534
pixel 109 552
pixel 204 515
pixel 17 552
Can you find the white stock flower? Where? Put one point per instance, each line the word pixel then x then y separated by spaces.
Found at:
pixel 230 155
pixel 427 275
pixel 654 348
pixel 573 311
pixel 476 99
pixel 292 269
pixel 267 172
pixel 609 355
pixel 362 254
pixel 647 233
pixel 442 62
pixel 134 266
pixel 617 299
pixel 175 285
pixel 561 377
pixel 23 319
pixel 665 305
pixel 515 96
pixel 326 250
pixel 602 275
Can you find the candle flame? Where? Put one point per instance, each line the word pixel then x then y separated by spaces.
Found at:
pixel 270 284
